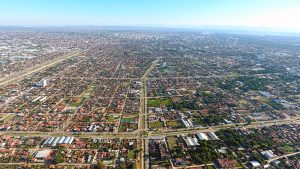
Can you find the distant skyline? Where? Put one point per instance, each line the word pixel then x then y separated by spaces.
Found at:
pixel 282 15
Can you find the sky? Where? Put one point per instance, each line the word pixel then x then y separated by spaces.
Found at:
pixel 276 14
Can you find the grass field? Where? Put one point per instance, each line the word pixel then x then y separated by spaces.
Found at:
pixel 174 124
pixel 157 124
pixel 113 118
pixel 171 142
pixel 210 167
pixel 89 90
pixel 131 154
pixel 124 126
pixel 175 99
pixel 165 102
pixel 287 149
pixel 244 102
pixel 153 102
pixel 129 119
pixel 76 102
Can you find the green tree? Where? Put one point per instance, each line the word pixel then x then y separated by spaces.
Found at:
pixel 99 165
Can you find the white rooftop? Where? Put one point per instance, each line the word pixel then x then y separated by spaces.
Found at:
pixel 43 153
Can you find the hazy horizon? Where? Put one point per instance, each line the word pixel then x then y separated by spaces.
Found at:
pixel 279 15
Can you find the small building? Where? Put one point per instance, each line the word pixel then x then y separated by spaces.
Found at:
pixel 41 83
pixel 227 163
pixel 187 123
pixel 213 136
pixel 275 163
pixel 189 141
pixel 42 154
pixel 202 136
pixel 254 164
pixel 268 154
pixel 265 94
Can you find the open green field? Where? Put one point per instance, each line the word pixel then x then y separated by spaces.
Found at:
pixel 131 154
pixel 124 126
pixel 157 124
pixel 133 119
pixel 171 142
pixel 174 124
pixel 165 102
pixel 153 102
pixel 176 99
pixel 210 167
pixel 76 103
pixel 287 149
pixel 89 90
pixel 113 118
